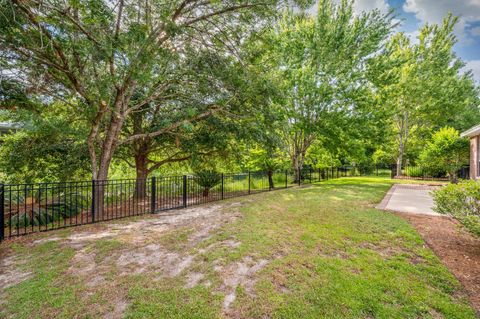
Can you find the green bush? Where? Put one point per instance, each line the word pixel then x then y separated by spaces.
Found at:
pixel 433 171
pixel 446 153
pixel 35 217
pixel 414 171
pixel 461 201
pixel 64 208
pixel 207 179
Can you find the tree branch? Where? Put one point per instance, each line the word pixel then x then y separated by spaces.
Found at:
pixel 219 12
pixel 173 159
pixel 169 128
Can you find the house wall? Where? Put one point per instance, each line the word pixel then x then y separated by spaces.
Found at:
pixel 474 157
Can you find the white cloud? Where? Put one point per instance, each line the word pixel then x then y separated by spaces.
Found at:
pixel 362 5
pixel 433 11
pixel 475 31
pixel 413 36
pixel 474 65
pixel 369 5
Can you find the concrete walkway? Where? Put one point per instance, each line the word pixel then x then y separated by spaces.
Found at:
pixel 411 199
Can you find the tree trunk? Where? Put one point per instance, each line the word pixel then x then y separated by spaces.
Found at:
pixel 399 164
pixel 297 169
pixel 108 147
pixel 453 177
pixel 300 143
pixel 101 182
pixel 206 191
pixel 402 140
pixel 270 180
pixel 141 169
pixel 99 194
pixel 141 150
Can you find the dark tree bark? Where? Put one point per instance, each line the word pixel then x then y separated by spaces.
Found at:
pixel 206 191
pixel 270 180
pixel 142 172
pixel 141 151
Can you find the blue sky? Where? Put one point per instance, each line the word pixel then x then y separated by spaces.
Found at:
pixel 415 13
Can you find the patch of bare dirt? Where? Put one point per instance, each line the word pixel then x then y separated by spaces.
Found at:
pixel 193 279
pixel 143 252
pixel 118 310
pixel 239 274
pixel 10 273
pixel 84 267
pixel 45 240
pixel 230 243
pixel 153 258
pixel 382 249
pixel 456 247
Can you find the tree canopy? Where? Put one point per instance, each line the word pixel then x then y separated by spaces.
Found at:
pixel 321 65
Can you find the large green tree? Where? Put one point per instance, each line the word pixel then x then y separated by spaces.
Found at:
pixel 423 88
pixel 208 79
pixel 320 63
pixel 96 56
pixel 100 54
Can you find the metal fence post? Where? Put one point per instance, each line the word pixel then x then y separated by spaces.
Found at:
pixel 153 195
pixel 93 200
pixel 2 212
pixel 222 186
pixel 185 199
pixel 286 178
pixel 249 177
pixel 299 177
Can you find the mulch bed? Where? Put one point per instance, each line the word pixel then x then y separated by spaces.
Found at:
pixel 455 246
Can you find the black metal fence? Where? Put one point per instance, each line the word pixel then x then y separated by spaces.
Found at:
pixel 418 172
pixel 31 208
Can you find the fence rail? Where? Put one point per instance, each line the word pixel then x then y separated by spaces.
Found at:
pixel 38 207
pixel 418 172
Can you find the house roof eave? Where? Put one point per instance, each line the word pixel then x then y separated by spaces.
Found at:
pixel 474 131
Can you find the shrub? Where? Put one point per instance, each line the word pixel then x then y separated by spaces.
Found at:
pixel 36 217
pixel 66 207
pixel 461 201
pixel 446 152
pixel 414 171
pixel 207 180
pixel 434 171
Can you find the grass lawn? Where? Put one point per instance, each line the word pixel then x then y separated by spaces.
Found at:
pixel 313 252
